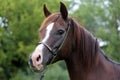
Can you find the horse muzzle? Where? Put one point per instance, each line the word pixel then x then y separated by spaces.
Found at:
pixel 35 63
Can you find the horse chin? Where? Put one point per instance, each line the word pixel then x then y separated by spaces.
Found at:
pixel 39 69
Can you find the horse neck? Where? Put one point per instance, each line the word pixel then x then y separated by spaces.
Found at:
pixel 84 46
pixel 84 53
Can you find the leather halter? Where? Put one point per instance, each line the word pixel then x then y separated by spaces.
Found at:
pixel 55 53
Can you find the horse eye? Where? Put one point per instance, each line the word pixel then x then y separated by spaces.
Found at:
pixel 60 32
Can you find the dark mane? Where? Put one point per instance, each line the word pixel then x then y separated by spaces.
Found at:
pixel 85 43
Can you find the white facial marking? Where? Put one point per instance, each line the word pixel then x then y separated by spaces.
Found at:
pixel 49 28
pixel 38 50
pixel 36 53
pixel 39 47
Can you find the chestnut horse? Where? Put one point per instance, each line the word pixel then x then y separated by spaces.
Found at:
pixel 62 38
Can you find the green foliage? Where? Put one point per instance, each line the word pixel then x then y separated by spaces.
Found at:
pixel 20 75
pixel 53 72
pixel 56 72
pixel 19 34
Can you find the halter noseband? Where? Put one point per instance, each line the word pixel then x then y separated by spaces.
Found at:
pixel 55 53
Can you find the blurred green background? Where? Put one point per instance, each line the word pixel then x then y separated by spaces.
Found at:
pixel 19 23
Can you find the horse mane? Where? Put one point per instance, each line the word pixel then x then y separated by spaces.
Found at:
pixel 84 44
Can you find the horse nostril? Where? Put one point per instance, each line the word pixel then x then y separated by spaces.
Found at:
pixel 38 58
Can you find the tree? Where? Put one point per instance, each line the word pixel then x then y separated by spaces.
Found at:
pixel 19 24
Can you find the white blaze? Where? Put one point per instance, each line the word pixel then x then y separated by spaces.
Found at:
pixel 40 47
pixel 36 53
pixel 48 30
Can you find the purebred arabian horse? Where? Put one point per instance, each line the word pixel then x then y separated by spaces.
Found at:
pixel 62 38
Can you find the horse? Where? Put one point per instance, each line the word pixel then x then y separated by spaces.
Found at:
pixel 62 38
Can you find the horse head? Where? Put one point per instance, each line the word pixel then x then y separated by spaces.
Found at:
pixel 53 34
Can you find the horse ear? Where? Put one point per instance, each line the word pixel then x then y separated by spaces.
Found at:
pixel 46 11
pixel 63 11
